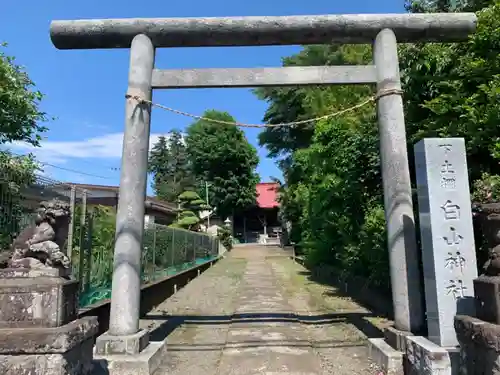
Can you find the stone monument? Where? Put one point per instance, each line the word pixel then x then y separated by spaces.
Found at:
pixel 479 336
pixel 448 250
pixel 39 329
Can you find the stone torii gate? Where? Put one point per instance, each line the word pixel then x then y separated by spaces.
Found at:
pixel 142 36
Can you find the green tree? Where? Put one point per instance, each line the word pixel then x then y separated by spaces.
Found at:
pixel 190 204
pixel 426 6
pixel 20 116
pixel 16 173
pixel 301 103
pixel 453 90
pixel 293 143
pixel 332 192
pixel 170 166
pixel 20 120
pixel 221 155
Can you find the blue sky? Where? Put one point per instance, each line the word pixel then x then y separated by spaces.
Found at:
pixel 85 89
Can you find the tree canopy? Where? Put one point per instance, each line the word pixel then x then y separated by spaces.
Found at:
pixel 191 204
pixel 221 155
pixel 332 193
pixel 20 116
pixel 20 119
pixel 210 153
pixel 171 168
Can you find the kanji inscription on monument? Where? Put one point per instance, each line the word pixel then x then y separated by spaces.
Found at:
pixel 448 249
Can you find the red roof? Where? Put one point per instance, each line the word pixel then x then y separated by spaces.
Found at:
pixel 267 195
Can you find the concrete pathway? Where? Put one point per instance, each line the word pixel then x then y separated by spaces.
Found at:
pixel 256 312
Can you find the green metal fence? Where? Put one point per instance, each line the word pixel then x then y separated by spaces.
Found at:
pixel 166 252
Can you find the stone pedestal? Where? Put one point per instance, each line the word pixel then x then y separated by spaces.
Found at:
pixel 487 292
pixel 123 355
pixel 479 346
pixel 425 357
pixel 388 359
pixel 39 329
pixel 388 352
pixel 31 298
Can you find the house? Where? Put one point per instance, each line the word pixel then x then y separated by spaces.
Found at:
pixel 156 210
pixel 257 224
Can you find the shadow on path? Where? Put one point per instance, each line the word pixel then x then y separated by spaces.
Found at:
pixel 172 322
pixel 262 344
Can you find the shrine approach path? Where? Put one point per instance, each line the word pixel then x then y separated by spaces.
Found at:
pixel 257 312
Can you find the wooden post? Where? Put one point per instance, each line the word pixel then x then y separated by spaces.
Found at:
pixel 71 229
pixel 244 228
pixel 81 242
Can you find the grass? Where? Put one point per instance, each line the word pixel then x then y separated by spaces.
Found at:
pixel 320 297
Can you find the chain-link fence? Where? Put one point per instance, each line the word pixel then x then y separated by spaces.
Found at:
pixel 166 252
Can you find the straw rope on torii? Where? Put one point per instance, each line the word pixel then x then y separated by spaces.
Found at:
pixel 370 99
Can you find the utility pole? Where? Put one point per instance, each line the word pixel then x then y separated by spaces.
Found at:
pixel 208 204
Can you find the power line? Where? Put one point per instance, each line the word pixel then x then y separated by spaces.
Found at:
pixel 114 169
pixel 67 169
pixel 74 171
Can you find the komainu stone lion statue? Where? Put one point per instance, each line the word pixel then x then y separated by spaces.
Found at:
pixel 42 246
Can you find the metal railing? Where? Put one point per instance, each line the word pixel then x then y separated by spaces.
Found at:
pixel 166 252
pixel 169 251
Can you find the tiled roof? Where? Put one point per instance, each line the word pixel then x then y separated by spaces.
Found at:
pixel 267 195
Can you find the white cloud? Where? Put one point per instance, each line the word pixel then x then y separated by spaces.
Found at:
pixel 107 146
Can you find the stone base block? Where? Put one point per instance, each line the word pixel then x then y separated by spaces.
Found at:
pixel 107 344
pixel 479 346
pixel 425 357
pixel 487 292
pixel 396 338
pixel 388 359
pixel 36 298
pixel 454 354
pixel 65 350
pixel 143 363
